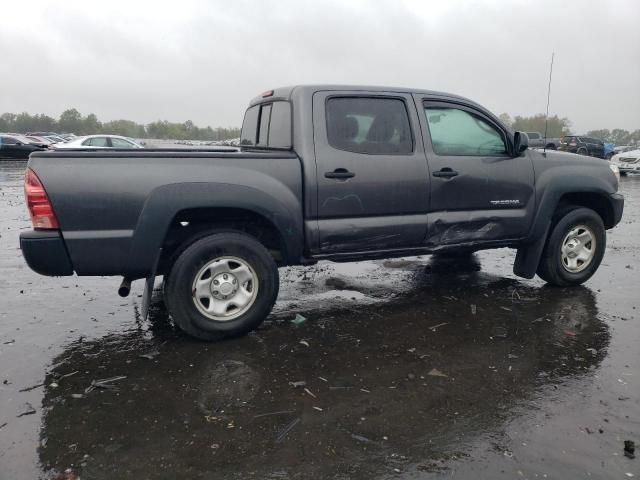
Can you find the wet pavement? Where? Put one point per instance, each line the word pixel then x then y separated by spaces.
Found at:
pixel 413 369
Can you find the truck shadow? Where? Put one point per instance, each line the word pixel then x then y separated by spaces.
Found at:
pixel 354 391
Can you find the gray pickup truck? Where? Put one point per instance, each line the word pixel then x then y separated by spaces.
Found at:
pixel 537 140
pixel 323 173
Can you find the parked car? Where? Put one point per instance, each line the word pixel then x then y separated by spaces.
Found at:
pixel 51 136
pixel 582 145
pixel 627 162
pixel 537 140
pixel 324 173
pixel 41 134
pixel 17 147
pixel 100 141
pixel 42 141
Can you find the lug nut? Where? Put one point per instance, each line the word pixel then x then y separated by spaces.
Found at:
pixel 225 276
pixel 216 282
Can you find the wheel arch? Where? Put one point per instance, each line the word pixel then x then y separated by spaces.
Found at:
pixel 558 192
pixel 212 204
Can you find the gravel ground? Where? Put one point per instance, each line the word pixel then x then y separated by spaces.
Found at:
pixel 414 368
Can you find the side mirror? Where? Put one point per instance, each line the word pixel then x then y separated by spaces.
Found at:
pixel 520 143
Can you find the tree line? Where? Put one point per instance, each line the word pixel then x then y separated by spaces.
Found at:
pixel 558 127
pixel 72 121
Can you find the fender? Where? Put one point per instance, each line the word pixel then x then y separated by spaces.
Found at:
pixel 552 184
pixel 165 202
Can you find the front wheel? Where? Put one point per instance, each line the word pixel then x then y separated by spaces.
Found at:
pixel 222 285
pixel 574 249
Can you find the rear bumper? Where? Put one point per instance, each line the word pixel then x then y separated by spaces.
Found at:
pixel 617 202
pixel 45 252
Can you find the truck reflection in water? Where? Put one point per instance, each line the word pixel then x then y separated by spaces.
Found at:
pixel 354 392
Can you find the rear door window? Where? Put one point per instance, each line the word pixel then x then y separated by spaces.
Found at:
pixel 369 125
pixel 96 142
pixel 120 143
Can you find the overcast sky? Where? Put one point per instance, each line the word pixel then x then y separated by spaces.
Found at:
pixel 203 60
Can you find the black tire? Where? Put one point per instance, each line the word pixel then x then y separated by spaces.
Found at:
pixel 551 268
pixel 582 151
pixel 178 288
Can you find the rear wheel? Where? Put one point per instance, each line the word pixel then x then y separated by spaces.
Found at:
pixel 582 151
pixel 574 249
pixel 222 285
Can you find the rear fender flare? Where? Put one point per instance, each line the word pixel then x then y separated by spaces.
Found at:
pixel 165 202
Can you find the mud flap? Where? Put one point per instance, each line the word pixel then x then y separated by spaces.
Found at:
pixel 148 288
pixel 528 256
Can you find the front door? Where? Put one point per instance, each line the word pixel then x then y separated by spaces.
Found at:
pixel 479 193
pixel 372 174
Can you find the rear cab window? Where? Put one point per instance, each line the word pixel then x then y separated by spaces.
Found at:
pixel 267 125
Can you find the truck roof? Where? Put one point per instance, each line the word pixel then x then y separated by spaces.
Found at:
pixel 290 92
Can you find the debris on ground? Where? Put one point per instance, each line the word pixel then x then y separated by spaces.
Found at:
pixel 365 390
pixel 433 329
pixel 323 379
pixel 33 387
pixel 506 308
pixel 105 383
pixel 309 392
pixel 151 355
pixel 269 414
pixel 570 333
pixel 629 449
pixel 53 385
pixel 77 395
pixel 434 372
pixel 299 383
pixel 29 410
pixel 304 342
pixel 3 425
pixel 286 429
pixel 360 438
pixel 474 309
pixel 318 409
pixel 298 320
pixel 499 332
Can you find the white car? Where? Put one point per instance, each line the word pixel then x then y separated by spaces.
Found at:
pixel 627 162
pixel 99 141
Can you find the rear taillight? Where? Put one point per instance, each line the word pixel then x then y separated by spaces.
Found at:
pixel 38 203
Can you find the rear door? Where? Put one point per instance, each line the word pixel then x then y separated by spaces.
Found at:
pixel 372 175
pixel 479 193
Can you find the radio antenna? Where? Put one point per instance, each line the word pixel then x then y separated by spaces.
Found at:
pixel 546 117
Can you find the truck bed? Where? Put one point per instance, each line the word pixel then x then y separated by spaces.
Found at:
pixel 112 206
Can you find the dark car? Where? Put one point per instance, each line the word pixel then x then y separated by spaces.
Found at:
pixel 18 147
pixel 323 173
pixel 582 145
